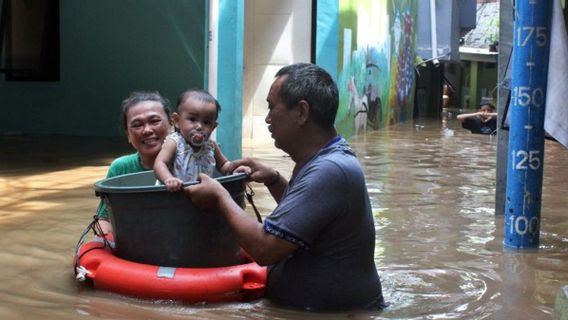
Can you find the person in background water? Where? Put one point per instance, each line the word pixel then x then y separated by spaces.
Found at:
pixel 145 117
pixel 319 242
pixel 188 151
pixel 484 121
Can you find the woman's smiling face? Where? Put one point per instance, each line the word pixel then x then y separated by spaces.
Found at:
pixel 147 127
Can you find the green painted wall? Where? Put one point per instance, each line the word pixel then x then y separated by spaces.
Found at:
pixel 108 49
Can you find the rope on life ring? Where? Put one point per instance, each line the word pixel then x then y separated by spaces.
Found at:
pixel 80 271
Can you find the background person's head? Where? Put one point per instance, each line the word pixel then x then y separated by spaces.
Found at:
pixel 146 121
pixel 486 108
pixel 305 81
pixel 196 116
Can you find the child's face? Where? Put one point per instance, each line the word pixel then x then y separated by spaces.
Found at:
pixel 196 121
pixel 486 109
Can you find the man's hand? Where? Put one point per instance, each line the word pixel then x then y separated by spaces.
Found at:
pixel 256 171
pixel 207 193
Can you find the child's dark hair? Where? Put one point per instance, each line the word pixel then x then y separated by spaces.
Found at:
pixel 141 96
pixel 199 95
pixel 487 104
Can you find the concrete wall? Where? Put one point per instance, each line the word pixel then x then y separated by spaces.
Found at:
pixel 447 22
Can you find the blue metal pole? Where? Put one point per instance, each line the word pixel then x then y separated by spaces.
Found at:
pixel 531 45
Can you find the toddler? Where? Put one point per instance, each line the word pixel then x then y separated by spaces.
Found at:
pixel 188 151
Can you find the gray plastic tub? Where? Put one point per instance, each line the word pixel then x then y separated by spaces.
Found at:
pixel 157 227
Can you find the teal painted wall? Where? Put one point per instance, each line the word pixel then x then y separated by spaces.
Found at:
pixel 327 27
pixel 230 76
pixel 108 49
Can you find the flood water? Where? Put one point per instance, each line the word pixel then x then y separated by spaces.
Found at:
pixel 439 247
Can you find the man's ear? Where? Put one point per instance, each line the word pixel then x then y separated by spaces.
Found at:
pixel 303 112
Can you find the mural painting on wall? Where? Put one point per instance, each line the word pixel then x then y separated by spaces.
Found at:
pixel 375 67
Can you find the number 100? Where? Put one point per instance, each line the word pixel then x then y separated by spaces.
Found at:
pixel 521 225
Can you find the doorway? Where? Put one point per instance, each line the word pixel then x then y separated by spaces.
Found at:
pixel 277 33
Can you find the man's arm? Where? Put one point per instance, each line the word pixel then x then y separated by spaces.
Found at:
pixel 263 247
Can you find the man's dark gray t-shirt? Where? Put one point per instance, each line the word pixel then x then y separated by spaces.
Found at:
pixel 326 211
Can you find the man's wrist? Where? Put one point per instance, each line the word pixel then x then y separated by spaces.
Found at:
pixel 274 181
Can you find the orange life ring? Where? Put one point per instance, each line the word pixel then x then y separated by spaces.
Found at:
pixel 96 261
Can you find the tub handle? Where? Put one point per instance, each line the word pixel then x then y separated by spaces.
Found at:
pixel 249 193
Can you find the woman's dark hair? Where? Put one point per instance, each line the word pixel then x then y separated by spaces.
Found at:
pixel 140 96
pixel 313 84
pixel 198 95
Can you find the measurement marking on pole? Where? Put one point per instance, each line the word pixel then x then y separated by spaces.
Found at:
pixel 521 225
pixel 523 160
pixel 531 40
pixel 539 33
pixel 524 97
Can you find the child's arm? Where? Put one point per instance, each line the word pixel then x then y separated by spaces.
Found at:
pixel 223 165
pixel 463 116
pixel 161 166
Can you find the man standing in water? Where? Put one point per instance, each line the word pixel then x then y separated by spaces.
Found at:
pixel 319 242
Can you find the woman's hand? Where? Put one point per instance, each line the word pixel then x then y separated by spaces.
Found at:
pixel 105 227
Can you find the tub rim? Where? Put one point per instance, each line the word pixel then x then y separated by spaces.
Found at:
pixel 100 186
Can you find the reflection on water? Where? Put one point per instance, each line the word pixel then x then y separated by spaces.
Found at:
pixel 439 244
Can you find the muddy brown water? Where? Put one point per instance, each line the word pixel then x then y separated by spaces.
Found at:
pixel 439 248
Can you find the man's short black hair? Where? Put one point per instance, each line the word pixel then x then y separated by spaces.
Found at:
pixel 306 81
